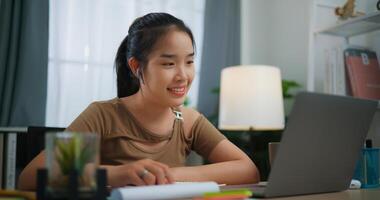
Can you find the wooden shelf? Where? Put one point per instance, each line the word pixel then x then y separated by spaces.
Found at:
pixel 355 26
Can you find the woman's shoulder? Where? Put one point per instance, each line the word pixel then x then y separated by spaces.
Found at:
pixel 189 114
pixel 100 108
pixel 104 104
pixel 190 118
pixel 95 116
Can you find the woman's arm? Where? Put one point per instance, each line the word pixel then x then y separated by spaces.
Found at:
pixel 28 177
pixel 117 176
pixel 141 172
pixel 230 166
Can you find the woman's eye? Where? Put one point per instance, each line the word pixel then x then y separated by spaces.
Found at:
pixel 190 62
pixel 168 64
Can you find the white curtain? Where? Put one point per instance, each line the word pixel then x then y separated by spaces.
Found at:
pixel 83 39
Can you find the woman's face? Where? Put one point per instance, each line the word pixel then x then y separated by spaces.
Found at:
pixel 170 69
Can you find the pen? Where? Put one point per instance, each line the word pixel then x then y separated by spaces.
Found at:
pixel 226 197
pixel 228 193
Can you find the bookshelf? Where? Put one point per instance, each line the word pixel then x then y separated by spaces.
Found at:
pixel 353 27
pixel 356 26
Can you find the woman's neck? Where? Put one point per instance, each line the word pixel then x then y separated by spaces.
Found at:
pixel 151 114
pixel 143 106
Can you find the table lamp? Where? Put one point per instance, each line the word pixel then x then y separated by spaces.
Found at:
pixel 251 98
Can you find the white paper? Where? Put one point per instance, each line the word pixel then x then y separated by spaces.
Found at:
pixel 170 191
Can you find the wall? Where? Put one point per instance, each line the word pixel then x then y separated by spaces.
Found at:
pixel 273 33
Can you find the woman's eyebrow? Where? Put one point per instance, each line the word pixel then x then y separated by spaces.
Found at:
pixel 165 55
pixel 168 55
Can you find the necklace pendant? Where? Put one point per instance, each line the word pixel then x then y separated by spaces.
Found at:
pixel 178 115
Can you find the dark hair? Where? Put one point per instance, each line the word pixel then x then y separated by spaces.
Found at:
pixel 142 36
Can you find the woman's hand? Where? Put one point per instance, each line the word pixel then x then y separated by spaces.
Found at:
pixel 142 172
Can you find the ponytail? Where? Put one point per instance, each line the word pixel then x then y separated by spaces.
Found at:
pixel 127 82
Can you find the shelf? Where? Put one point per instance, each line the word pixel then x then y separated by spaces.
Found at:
pixel 355 26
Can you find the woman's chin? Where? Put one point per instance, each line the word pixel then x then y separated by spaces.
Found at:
pixel 177 103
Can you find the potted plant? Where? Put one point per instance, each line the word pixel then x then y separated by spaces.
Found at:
pixel 68 152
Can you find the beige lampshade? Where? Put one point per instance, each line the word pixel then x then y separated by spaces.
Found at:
pixel 251 98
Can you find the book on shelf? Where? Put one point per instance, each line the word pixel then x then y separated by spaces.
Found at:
pixel 363 73
pixel 1 159
pixel 9 175
pixel 335 78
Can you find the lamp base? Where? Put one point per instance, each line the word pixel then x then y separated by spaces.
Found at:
pixel 259 141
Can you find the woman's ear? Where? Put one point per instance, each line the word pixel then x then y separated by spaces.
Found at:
pixel 134 65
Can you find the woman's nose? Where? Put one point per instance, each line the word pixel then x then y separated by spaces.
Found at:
pixel 181 73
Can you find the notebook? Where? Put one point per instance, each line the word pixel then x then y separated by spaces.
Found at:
pixel 181 190
pixel 319 147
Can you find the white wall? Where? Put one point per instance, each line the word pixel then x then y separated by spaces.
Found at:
pixel 275 32
pixel 255 31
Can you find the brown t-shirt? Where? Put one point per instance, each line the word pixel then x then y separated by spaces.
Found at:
pixel 117 128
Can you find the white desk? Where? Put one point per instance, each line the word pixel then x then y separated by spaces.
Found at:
pixel 363 194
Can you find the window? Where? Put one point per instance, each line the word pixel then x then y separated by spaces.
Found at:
pixel 83 40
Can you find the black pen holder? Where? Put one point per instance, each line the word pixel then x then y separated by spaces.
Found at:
pixel 72 192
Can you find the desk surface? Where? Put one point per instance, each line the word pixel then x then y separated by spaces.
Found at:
pixel 363 194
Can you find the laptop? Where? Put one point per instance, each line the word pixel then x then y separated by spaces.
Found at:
pixel 319 147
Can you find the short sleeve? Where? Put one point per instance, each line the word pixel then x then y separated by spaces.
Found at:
pixel 89 121
pixel 205 136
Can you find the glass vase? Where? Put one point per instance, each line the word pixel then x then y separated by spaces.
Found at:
pixel 67 152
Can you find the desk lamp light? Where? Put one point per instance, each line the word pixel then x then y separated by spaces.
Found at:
pixel 251 98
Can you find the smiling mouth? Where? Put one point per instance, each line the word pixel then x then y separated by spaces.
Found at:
pixel 177 91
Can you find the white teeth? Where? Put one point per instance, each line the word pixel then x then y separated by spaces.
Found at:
pixel 177 89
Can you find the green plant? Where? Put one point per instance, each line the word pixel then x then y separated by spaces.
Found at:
pixel 286 86
pixel 73 154
pixel 69 152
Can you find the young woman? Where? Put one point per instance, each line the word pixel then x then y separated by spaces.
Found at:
pixel 145 132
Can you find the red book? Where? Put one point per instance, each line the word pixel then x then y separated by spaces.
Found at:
pixel 363 73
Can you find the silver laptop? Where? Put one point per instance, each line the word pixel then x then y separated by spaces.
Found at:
pixel 319 147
